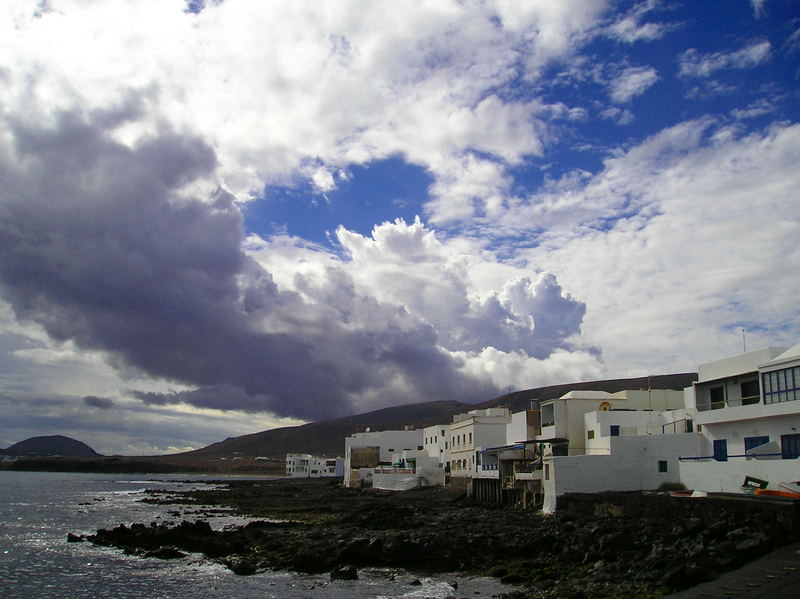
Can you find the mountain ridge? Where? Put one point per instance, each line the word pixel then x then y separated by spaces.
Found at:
pixel 51 446
pixel 326 438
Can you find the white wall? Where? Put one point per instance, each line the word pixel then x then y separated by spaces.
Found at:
pixel 633 465
pixel 427 471
pixel 388 442
pixel 738 364
pixel 729 476
pixel 435 441
pixel 634 423
pixel 518 430
pixel 737 431
pixel 476 430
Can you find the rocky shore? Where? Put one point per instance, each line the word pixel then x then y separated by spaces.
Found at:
pixel 599 546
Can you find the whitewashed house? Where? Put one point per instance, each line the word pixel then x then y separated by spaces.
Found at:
pixel 504 460
pixel 304 465
pixel 409 469
pixel 363 452
pixel 435 441
pixel 473 432
pixel 563 422
pixel 596 441
pixel 748 411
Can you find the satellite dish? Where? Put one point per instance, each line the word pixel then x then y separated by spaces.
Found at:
pixel 605 406
pixel 367 430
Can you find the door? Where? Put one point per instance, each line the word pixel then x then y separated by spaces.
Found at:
pixel 721 450
pixel 790 446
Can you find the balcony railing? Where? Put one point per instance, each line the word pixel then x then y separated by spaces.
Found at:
pixel 527 467
pixel 733 402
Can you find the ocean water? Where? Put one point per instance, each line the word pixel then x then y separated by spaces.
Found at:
pixel 38 509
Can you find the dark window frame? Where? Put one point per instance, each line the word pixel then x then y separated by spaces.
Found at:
pixel 751 442
pixel 720 450
pixel 790 446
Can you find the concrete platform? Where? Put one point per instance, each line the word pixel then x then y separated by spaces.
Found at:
pixel 774 576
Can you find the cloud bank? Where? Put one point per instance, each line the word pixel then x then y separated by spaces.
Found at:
pixel 123 258
pixel 587 212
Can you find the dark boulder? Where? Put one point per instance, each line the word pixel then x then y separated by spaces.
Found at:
pixel 344 572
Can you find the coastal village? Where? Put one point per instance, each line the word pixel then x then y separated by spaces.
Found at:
pixel 735 430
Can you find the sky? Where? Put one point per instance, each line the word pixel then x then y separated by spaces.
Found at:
pixel 222 217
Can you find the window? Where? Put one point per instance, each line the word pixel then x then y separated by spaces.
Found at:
pixel 614 430
pixel 717 397
pixel 590 434
pixel 690 426
pixel 750 392
pixel 790 446
pixel 781 385
pixel 662 465
pixel 470 438
pixel 750 442
pixel 547 471
pixel 721 450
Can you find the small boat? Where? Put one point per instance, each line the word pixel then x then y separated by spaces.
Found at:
pixel 680 493
pixel 688 494
pixel 771 493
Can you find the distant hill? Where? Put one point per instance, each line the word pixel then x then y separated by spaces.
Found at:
pixel 55 445
pixel 327 437
pixel 521 400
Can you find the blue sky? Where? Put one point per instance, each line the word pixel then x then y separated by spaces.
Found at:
pixel 222 217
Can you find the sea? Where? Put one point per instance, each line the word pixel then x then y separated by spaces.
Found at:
pixel 39 509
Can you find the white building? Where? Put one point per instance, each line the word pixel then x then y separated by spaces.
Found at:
pixel 748 411
pixel 435 442
pixel 523 426
pixel 472 432
pixel 512 461
pixel 364 451
pixel 304 465
pixel 596 441
pixel 409 469
pixel 563 417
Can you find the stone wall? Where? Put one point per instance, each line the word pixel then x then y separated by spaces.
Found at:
pixel 668 508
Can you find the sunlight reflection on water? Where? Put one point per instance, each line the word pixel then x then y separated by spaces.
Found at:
pixel 37 510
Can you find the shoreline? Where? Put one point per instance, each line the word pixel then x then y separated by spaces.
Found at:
pixel 148 465
pixel 646 546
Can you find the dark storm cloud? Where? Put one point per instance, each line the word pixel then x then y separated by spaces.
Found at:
pixel 216 398
pixel 98 402
pixel 101 246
